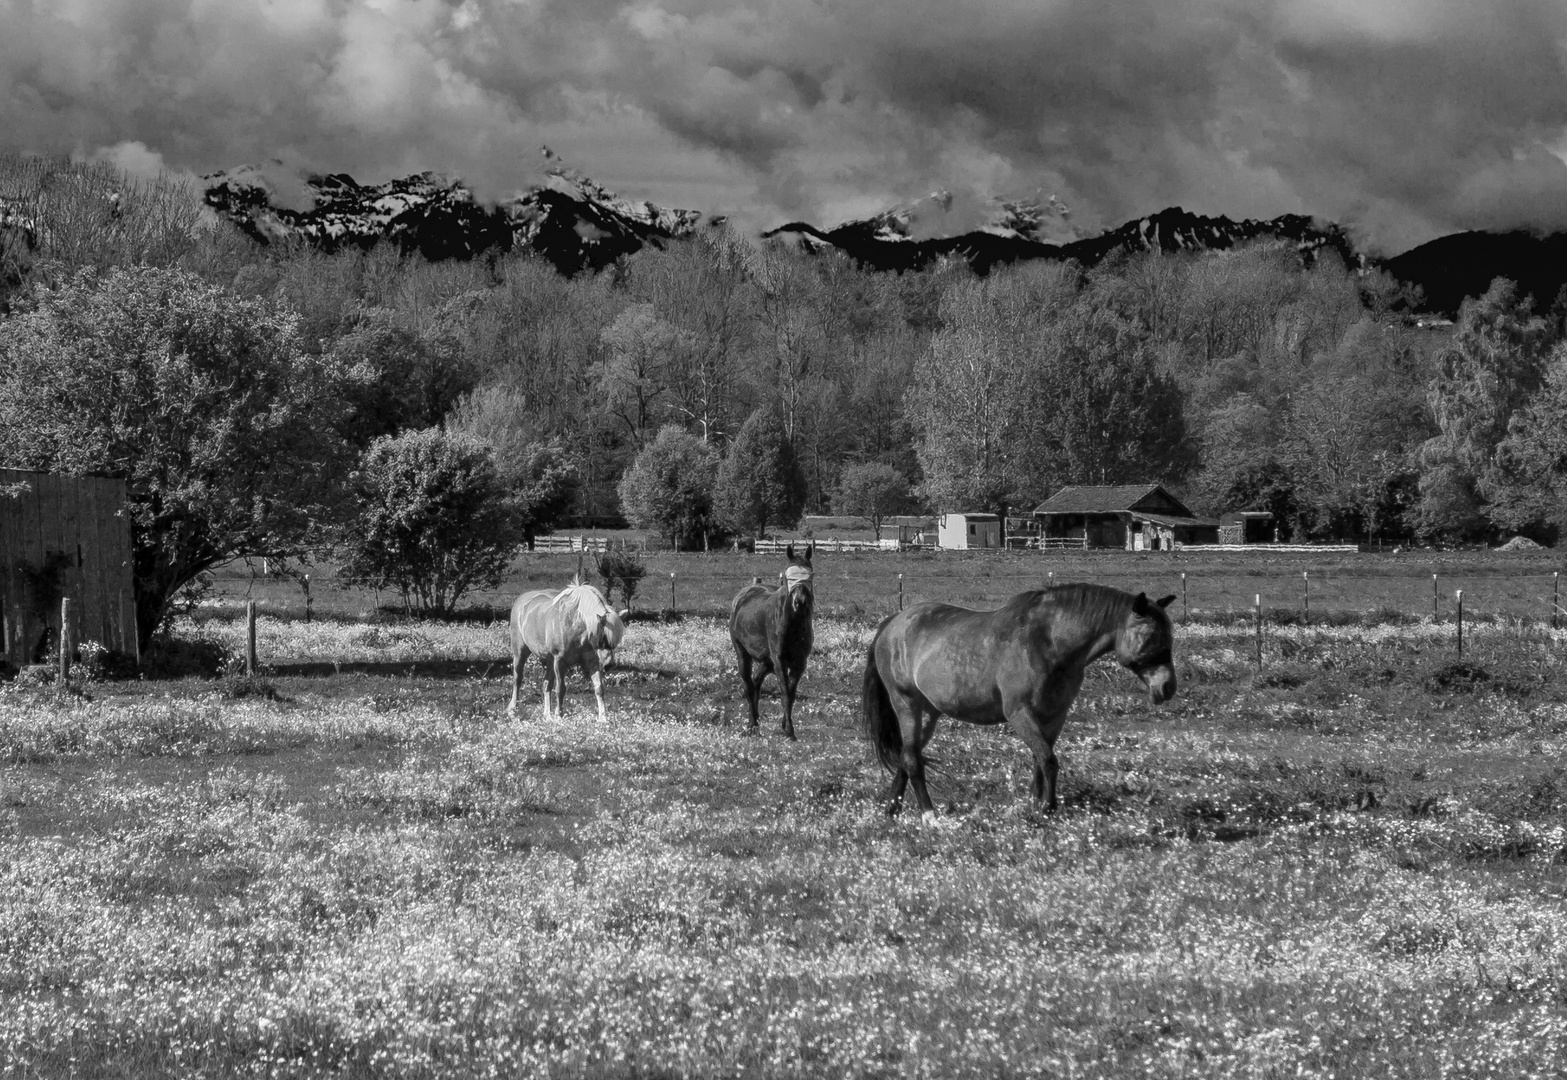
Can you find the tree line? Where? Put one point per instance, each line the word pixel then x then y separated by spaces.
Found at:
pixel 277 400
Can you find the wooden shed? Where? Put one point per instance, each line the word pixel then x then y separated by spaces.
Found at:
pixel 963 531
pixel 1248 527
pixel 64 536
pixel 1136 517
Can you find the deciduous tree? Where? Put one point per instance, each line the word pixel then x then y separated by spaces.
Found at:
pixel 669 487
pixel 759 481
pixel 224 429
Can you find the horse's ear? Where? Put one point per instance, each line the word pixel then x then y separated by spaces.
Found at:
pixel 789 553
pixel 808 549
pixel 1166 601
pixel 1140 604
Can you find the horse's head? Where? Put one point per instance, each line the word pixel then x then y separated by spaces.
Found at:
pixel 602 628
pixel 797 577
pixel 1142 644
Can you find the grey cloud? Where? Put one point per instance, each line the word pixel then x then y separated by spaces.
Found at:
pixel 1408 119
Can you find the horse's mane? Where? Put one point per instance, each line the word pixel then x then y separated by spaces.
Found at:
pixel 589 603
pixel 1089 601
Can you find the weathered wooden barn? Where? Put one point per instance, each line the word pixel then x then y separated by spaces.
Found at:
pixel 1136 517
pixel 1248 527
pixel 63 536
pixel 909 530
pixel 963 531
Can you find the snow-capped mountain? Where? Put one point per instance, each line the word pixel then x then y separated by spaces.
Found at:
pixel 571 220
pixel 578 225
pixel 1013 233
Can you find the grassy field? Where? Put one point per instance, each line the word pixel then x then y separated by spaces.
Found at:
pixel 1349 863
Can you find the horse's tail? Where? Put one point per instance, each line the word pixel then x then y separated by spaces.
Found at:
pixel 879 721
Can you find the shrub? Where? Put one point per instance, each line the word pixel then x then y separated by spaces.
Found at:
pixel 621 566
pixel 431 522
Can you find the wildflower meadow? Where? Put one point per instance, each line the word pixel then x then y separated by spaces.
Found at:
pixel 1348 862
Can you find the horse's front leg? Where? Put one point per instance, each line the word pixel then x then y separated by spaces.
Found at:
pixel 548 664
pixel 519 657
pixel 562 669
pixel 595 673
pixel 1039 732
pixel 791 682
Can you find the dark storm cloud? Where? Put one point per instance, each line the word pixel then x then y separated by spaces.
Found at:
pixel 1408 118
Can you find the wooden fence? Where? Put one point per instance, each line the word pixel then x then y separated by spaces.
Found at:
pixel 63 537
pixel 773 547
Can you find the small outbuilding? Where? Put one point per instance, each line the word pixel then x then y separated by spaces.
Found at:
pixel 1248 527
pixel 1134 517
pixel 908 530
pixel 64 537
pixel 963 531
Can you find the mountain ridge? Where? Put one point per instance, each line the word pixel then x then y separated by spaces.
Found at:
pixel 577 224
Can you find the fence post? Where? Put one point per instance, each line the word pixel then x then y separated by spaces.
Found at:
pixel 671 594
pixel 1259 631
pixel 250 637
pixel 1556 596
pixel 65 639
pixel 1436 599
pixel 1185 611
pixel 1459 595
pixel 307 599
pixel 1305 579
pixel 900 592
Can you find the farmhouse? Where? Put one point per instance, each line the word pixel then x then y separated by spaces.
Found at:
pixel 962 531
pixel 1248 527
pixel 1136 517
pixel 63 537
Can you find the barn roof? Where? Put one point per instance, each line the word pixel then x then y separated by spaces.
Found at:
pixel 1102 499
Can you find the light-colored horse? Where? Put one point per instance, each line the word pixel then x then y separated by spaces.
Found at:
pixel 565 629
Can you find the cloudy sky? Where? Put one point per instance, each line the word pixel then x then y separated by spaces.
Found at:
pixel 1405 118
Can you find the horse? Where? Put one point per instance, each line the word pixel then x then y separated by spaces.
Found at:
pixel 566 629
pixel 772 627
pixel 1021 664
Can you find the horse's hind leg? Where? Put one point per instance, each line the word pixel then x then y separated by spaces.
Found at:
pixel 916 725
pixel 915 736
pixel 752 683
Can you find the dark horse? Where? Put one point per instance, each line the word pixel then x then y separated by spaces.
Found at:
pixel 1022 664
pixel 772 628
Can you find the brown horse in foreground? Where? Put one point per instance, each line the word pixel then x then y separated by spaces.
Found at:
pixel 1021 664
pixel 772 628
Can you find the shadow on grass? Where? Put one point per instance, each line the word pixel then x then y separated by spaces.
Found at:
pixel 437 669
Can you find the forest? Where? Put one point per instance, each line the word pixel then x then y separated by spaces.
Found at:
pixel 1247 379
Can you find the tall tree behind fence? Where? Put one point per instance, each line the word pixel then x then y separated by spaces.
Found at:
pixel 63 536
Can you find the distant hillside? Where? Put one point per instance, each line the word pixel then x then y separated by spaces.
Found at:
pixel 1464 264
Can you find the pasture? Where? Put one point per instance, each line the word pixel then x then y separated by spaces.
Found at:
pixel 1351 862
